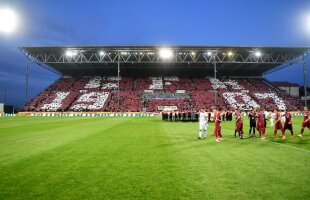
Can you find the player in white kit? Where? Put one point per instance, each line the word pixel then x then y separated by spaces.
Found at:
pixel 283 116
pixel 203 123
pixel 272 118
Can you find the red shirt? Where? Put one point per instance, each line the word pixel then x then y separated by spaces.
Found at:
pixel 306 115
pixel 260 118
pixel 238 117
pixel 288 118
pixel 277 116
pixel 217 119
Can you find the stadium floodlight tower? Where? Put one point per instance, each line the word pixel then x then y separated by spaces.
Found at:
pixel 8 24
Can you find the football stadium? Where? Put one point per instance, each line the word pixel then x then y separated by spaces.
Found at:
pixel 158 122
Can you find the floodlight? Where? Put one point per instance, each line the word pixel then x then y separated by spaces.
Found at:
pixel 209 53
pixel 165 53
pixel 101 53
pixel 70 53
pixel 304 23
pixel 258 53
pixel 193 53
pixel 8 20
pixel 308 23
pixel 230 53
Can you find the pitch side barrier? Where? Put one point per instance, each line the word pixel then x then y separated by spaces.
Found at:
pixel 7 115
pixel 95 114
pixel 85 114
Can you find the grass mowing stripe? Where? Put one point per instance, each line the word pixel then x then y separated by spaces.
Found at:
pixel 15 147
pixel 110 164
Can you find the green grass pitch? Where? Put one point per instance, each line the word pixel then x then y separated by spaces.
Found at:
pixel 145 158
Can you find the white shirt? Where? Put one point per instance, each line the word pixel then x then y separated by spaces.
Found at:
pixel 203 118
pixel 283 116
pixel 266 114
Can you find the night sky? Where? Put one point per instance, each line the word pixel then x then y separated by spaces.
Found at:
pixel 146 22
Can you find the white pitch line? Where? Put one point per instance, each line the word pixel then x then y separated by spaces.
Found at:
pixel 288 146
pixel 292 147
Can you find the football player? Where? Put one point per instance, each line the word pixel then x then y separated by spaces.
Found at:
pixel 278 124
pixel 306 122
pixel 203 123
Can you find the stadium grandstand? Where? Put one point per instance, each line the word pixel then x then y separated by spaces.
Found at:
pixel 154 78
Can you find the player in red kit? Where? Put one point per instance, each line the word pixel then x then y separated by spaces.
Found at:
pixel 239 124
pixel 261 123
pixel 217 127
pixel 306 122
pixel 288 123
pixel 278 124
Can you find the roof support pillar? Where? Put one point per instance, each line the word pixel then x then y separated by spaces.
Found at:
pixel 4 96
pixel 118 71
pixel 305 82
pixel 215 92
pixel 26 85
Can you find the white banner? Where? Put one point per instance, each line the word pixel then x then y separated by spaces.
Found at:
pixel 166 108
pixel 180 91
pixel 86 115
pixel 171 78
pixel 245 91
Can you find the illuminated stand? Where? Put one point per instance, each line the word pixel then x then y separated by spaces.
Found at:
pixel 232 61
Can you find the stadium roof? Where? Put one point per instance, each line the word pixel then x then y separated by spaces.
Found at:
pixel 169 60
pixel 284 84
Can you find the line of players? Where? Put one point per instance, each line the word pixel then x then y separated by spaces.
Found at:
pixel 175 116
pixel 169 116
pixel 257 121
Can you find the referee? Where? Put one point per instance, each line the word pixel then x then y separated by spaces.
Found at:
pixel 252 117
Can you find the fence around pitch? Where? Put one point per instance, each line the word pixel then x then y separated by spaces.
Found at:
pixel 86 114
